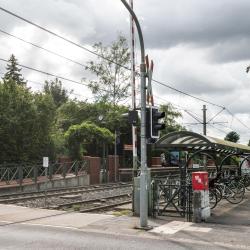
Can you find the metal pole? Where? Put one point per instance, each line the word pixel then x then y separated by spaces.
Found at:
pixel 134 129
pixel 204 120
pixel 204 133
pixel 144 169
pixel 115 155
pixel 46 186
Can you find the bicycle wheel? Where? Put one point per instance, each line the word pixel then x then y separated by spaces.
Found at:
pixel 212 198
pixel 218 191
pixel 234 192
pixel 247 182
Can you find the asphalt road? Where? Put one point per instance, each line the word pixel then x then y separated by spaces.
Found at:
pixel 20 236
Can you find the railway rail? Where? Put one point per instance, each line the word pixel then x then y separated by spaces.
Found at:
pixel 19 197
pixel 98 203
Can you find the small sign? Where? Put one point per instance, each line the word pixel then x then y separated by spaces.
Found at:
pixel 45 162
pixel 196 165
pixel 128 147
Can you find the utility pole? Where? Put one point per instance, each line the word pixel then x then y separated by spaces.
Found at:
pixel 134 128
pixel 144 168
pixel 204 120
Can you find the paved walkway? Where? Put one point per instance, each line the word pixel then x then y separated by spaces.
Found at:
pixel 232 214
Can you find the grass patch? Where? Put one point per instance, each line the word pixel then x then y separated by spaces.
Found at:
pixel 76 207
pixel 122 212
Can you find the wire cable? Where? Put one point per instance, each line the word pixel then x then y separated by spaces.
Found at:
pixel 184 93
pixel 42 48
pixel 94 53
pixel 61 37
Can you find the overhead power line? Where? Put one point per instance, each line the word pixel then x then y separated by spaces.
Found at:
pixel 107 59
pixel 42 48
pixel 54 75
pixel 216 115
pixel 90 51
pixel 242 123
pixel 50 74
pixel 61 37
pixel 184 93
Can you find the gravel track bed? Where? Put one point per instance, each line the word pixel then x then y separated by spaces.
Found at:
pixel 51 202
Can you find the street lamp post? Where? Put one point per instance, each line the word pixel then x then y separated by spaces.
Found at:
pixel 144 169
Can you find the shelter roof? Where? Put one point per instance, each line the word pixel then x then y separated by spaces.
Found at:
pixel 186 140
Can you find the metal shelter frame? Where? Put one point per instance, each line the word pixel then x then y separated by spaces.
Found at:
pixel 195 144
pixel 206 145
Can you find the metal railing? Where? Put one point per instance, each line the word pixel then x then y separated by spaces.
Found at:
pixel 172 197
pixel 12 173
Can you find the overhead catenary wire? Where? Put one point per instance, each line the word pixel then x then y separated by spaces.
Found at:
pixel 42 48
pixel 61 37
pixel 54 75
pixel 42 84
pixel 242 123
pixel 184 93
pixel 216 115
pixel 111 61
pixel 95 53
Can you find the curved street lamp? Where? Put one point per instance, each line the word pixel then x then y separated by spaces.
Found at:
pixel 144 169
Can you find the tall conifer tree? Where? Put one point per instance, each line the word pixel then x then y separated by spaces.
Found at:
pixel 13 72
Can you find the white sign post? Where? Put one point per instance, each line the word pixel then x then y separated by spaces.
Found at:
pixel 46 165
pixel 45 162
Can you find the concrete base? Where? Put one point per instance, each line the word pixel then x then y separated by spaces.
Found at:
pixel 201 209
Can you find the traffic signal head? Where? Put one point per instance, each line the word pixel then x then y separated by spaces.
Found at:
pixel 153 124
pixel 156 125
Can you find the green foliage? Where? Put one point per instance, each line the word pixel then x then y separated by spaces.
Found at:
pixel 113 80
pixel 25 123
pixel 100 113
pixel 87 133
pixel 232 136
pixel 170 119
pixel 13 72
pixel 58 93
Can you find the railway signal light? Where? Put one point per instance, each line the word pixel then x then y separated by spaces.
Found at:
pixel 153 124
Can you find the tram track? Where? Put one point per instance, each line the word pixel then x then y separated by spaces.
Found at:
pixel 59 192
pixel 96 204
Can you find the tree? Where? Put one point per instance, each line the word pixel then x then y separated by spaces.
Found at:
pixel 248 143
pixel 13 72
pixel 101 114
pixel 80 136
pixel 170 119
pixel 232 136
pixel 25 123
pixel 58 93
pixel 112 84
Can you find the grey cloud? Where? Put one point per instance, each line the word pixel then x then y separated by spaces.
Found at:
pixel 230 51
pixel 165 23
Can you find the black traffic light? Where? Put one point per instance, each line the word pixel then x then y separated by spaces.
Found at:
pixel 155 124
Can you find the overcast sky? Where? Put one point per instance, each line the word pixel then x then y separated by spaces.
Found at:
pixel 198 46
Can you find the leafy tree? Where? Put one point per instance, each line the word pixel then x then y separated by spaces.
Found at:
pixel 101 114
pixel 170 119
pixel 112 84
pixel 81 136
pixel 13 72
pixel 25 123
pixel 58 93
pixel 232 136
pixel 248 143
